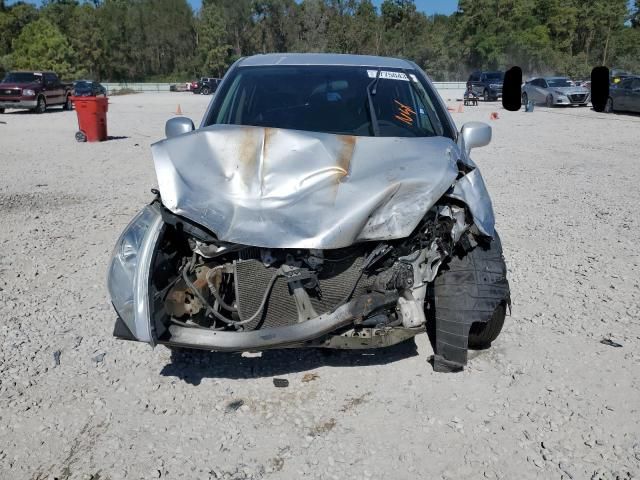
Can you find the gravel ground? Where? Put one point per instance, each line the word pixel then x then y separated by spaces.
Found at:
pixel 549 400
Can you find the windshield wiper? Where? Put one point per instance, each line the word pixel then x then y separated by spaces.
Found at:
pixel 372 112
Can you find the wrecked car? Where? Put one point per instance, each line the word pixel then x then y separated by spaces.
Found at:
pixel 325 201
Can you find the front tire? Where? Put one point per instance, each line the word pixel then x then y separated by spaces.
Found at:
pixel 549 101
pixel 68 104
pixel 41 106
pixel 205 91
pixel 485 95
pixel 608 107
pixel 1 111
pixel 469 299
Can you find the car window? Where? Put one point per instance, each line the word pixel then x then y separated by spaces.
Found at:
pixel 329 99
pixel 22 77
pixel 559 82
pixel 475 77
pixel 495 76
pixel 625 84
pixel 50 78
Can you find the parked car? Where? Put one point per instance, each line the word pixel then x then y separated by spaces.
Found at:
pixel 554 91
pixel 326 201
pixel 206 86
pixel 487 85
pixel 624 96
pixel 88 88
pixel 616 76
pixel 34 91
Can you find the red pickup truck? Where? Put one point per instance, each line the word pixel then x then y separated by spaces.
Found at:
pixel 34 91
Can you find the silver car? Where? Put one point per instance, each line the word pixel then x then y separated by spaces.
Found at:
pixel 325 201
pixel 553 91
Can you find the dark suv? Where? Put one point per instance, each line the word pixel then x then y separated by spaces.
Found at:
pixel 487 85
pixel 207 86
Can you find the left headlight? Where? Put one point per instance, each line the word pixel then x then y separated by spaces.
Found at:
pixel 128 277
pixel 28 92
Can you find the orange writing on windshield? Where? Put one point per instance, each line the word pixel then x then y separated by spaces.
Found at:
pixel 405 113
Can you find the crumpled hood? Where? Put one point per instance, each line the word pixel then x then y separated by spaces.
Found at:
pixel 280 188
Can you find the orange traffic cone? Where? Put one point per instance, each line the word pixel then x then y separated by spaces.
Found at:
pixel 178 110
pixel 493 116
pixel 460 108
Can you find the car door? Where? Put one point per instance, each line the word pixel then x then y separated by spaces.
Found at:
pixel 622 94
pixel 634 96
pixel 475 82
pixel 52 89
pixel 541 90
pixel 532 90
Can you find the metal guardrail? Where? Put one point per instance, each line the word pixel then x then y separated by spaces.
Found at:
pixel 165 87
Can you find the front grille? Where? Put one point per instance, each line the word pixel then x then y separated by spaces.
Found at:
pixel 252 277
pixel 8 92
pixel 577 97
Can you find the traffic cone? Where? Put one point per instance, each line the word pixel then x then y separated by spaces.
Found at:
pixel 178 110
pixel 460 108
pixel 493 116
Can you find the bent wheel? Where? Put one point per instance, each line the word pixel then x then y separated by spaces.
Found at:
pixel 469 300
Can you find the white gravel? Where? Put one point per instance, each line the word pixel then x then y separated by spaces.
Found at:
pixel 548 401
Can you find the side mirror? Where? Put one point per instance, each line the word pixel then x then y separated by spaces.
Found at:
pixel 475 134
pixel 178 126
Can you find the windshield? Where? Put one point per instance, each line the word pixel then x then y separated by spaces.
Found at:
pixel 22 77
pixel 329 99
pixel 558 82
pixel 495 76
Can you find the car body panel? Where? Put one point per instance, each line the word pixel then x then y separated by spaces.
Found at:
pixel 281 188
pixel 626 95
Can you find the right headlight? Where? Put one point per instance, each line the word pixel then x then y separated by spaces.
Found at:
pixel 128 275
pixel 28 92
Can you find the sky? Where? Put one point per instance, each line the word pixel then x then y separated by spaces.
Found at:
pixel 427 6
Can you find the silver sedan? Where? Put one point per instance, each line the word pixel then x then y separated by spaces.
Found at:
pixel 554 91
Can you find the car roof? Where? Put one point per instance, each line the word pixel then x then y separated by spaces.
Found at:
pixel 328 59
pixel 556 78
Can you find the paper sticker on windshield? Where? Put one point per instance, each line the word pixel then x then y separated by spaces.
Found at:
pixel 389 75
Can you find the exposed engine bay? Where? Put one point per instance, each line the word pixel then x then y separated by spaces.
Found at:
pixel 206 284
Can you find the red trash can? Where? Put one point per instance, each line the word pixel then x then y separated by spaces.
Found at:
pixel 92 118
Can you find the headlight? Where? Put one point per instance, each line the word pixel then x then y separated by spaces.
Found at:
pixel 128 273
pixel 28 92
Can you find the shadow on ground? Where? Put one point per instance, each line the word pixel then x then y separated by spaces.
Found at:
pixel 192 366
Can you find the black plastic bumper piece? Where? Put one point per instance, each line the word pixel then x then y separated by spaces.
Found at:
pixel 121 331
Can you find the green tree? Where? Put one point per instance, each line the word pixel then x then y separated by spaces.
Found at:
pixel 212 52
pixel 41 45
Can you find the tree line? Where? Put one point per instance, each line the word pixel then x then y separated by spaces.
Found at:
pixel 165 40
